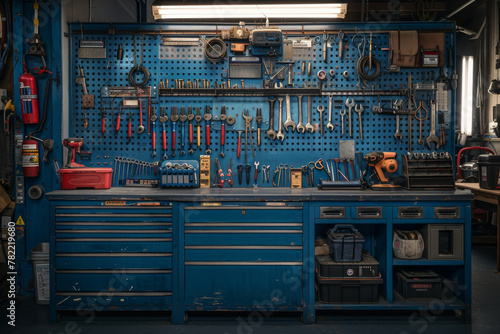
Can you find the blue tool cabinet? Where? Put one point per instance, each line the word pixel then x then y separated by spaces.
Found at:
pixel 234 250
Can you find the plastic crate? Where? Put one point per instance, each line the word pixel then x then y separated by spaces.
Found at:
pixel 327 268
pixel 418 285
pixel 348 290
pixel 345 243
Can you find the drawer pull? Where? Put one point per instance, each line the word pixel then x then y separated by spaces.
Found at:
pixel 332 212
pixel 446 212
pixel 372 213
pixel 115 239
pixel 411 212
pixel 235 207
pixel 241 263
pixel 114 254
pixel 115 294
pixel 113 271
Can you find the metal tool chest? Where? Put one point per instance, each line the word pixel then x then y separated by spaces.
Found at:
pixel 240 249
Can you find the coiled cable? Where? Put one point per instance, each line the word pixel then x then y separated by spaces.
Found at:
pixel 215 50
pixel 362 67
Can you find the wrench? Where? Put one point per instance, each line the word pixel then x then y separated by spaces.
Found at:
pixel 256 164
pixel 398 134
pixel 280 134
pixel 359 110
pixel 271 134
pixel 342 114
pixel 320 110
pixel 300 127
pixel 288 122
pixel 329 126
pixel 349 104
pixel 309 126
pixel 432 135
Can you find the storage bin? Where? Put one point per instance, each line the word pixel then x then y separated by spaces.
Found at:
pixel 489 171
pixel 345 243
pixel 407 245
pixel 367 268
pixel 348 290
pixel 417 285
pixel 40 257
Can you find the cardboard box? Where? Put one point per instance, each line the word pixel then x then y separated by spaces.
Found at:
pixel 4 199
pixel 321 247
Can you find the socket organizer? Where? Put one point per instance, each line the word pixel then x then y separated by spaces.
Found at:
pixel 179 174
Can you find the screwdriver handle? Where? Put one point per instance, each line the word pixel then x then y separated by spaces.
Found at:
pixel 190 133
pixel 173 136
pixel 239 147
pixel 164 140
pixel 129 132
pixel 154 139
pixel 207 134
pixel 223 133
pixel 198 135
pixel 103 124
pixel 118 119
pixel 258 136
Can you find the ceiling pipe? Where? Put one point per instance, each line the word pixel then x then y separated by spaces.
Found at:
pixel 459 9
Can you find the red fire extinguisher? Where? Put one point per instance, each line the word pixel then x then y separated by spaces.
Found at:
pixel 29 99
pixel 30 158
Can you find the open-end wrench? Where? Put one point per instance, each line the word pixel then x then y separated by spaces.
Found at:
pixel 330 126
pixel 432 135
pixel 398 134
pixel 190 120
pixel 342 113
pixel 183 118
pixel 321 122
pixel 280 134
pixel 174 117
pixel 309 126
pixel 349 103
pixel 256 164
pixel 271 134
pixel 289 122
pixel 300 127
pixel 359 110
pixel 153 118
pixel 163 120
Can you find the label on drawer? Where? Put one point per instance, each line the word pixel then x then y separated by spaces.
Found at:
pixel 115 203
pixel 210 204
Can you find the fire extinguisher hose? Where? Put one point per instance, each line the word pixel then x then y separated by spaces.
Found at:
pixel 45 107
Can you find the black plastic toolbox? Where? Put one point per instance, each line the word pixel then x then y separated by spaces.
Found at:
pixel 345 243
pixel 418 285
pixel 367 268
pixel 489 171
pixel 348 290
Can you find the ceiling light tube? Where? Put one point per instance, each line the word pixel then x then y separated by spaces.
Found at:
pixel 327 10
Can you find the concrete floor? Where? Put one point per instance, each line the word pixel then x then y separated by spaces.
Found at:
pixel 32 318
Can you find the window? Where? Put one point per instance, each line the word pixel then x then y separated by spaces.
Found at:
pixel 467 94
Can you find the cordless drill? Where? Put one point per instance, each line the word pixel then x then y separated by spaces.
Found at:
pixel 72 144
pixel 381 161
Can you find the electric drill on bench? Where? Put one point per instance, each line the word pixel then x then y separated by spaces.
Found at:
pixel 72 144
pixel 381 161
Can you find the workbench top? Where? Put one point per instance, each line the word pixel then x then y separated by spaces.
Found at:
pixel 258 194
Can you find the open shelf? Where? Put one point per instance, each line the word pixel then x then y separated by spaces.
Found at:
pixel 426 262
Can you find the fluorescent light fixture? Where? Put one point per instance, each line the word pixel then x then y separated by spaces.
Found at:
pixel 163 11
pixel 467 94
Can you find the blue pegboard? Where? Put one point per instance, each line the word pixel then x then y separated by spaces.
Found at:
pixel 189 63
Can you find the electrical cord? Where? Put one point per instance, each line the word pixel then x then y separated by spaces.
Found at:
pixel 362 65
pixel 217 45
pixel 138 68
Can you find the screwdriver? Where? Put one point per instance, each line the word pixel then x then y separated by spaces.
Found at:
pixel 229 173
pixel 118 119
pixel 129 126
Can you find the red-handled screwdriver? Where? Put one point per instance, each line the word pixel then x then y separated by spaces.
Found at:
pixel 174 117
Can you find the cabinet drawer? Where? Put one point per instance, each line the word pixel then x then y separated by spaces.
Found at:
pixel 243 237
pixel 83 213
pixel 113 280
pixel 118 301
pixel 113 245
pixel 243 253
pixel 410 212
pixel 113 261
pixel 112 226
pixel 243 214
pixel 243 285
pixel 118 234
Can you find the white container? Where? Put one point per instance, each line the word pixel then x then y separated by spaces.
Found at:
pixel 41 272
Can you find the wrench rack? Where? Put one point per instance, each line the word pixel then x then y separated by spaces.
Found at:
pixel 189 63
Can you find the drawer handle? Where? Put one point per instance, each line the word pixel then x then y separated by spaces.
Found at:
pixel 411 213
pixel 446 213
pixel 335 213
pixel 370 213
